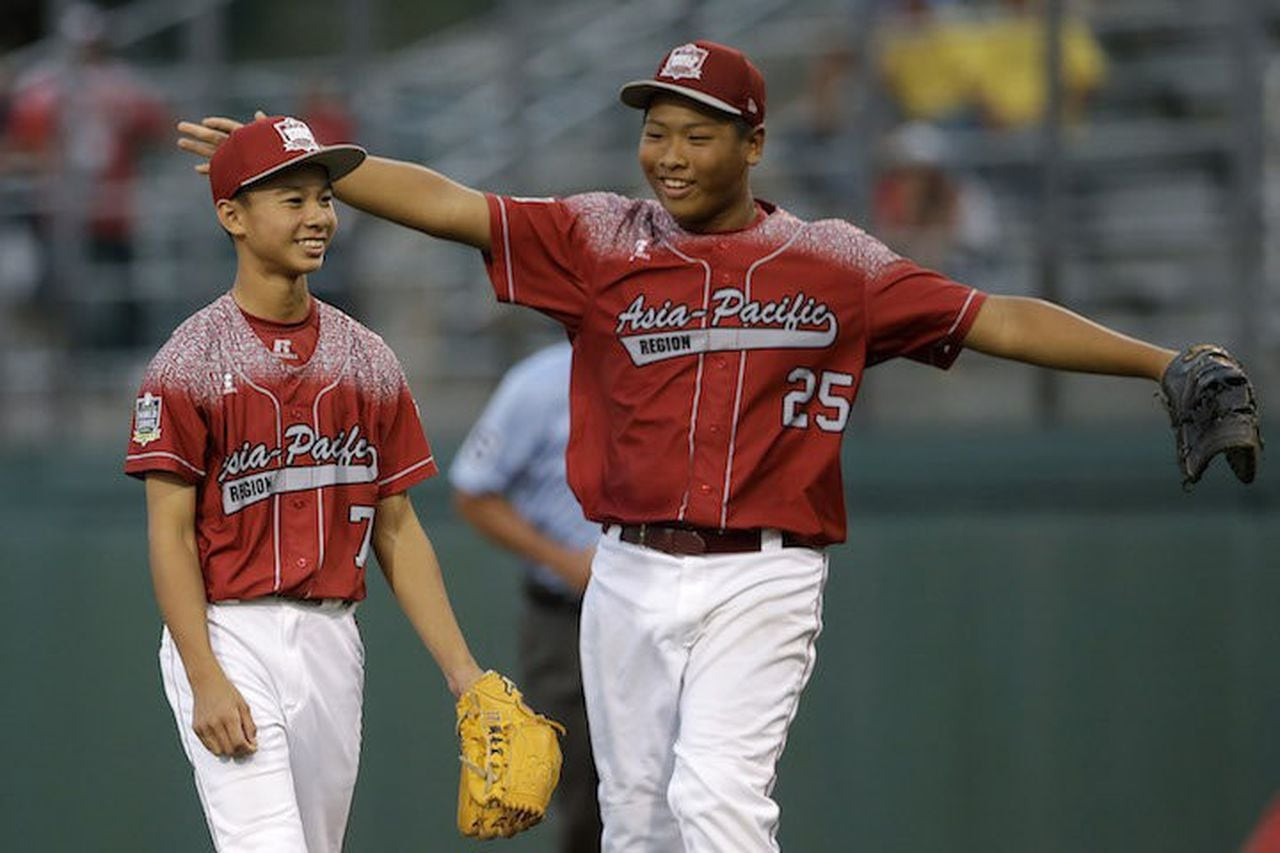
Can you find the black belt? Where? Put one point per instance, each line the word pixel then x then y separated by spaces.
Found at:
pixel 688 541
pixel 305 602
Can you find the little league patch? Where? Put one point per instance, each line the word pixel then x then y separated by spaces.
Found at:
pixel 146 419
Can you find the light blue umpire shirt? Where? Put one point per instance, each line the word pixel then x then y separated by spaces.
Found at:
pixel 516 449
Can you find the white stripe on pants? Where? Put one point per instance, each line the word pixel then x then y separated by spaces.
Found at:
pixel 301 670
pixel 692 669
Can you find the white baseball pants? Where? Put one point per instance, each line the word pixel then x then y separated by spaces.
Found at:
pixel 300 667
pixel 693 669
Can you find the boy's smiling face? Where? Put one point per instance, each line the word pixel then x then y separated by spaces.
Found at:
pixel 285 222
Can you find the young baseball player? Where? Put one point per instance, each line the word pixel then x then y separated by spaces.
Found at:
pixel 509 483
pixel 719 344
pixel 278 438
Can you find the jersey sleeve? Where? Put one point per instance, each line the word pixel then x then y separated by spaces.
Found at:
pixel 535 256
pixel 918 314
pixel 169 431
pixel 405 456
pixel 503 441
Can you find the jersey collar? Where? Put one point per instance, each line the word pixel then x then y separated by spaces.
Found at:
pixel 251 356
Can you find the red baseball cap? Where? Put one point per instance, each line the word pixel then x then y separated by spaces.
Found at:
pixel 709 73
pixel 269 145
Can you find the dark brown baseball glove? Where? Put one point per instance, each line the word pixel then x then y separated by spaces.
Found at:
pixel 1213 410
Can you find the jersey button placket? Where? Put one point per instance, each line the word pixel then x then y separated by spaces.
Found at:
pixel 715 399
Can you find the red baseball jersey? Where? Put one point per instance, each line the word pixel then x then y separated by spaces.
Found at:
pixel 713 374
pixel 290 454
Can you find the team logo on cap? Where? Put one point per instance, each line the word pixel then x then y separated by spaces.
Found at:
pixel 146 419
pixel 296 135
pixel 685 62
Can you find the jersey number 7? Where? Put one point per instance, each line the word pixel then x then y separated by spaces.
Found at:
pixel 357 514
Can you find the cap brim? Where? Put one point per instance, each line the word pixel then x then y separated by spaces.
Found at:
pixel 638 93
pixel 337 160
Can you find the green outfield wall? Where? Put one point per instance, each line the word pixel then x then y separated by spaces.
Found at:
pixel 1033 642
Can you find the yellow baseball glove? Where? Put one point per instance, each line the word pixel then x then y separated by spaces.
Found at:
pixel 510 760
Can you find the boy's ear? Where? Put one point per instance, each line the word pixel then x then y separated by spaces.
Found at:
pixel 755 145
pixel 229 217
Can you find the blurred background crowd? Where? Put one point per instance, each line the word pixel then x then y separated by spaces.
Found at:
pixel 1135 186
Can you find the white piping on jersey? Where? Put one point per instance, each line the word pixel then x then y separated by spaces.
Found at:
pixel 506 249
pixel 275 499
pixel 315 422
pixel 964 309
pixel 697 384
pixel 414 467
pixel 131 457
pixel 742 370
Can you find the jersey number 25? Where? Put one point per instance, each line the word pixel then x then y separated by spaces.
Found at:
pixel 835 412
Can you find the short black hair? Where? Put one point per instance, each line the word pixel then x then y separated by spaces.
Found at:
pixel 742 126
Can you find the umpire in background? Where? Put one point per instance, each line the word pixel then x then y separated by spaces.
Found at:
pixel 509 484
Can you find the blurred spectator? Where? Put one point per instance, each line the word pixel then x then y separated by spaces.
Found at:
pixel 6 106
pixel 19 254
pixel 325 109
pixel 828 91
pixel 84 118
pixel 821 143
pixel 945 64
pixel 925 211
pixel 1011 89
pixel 927 59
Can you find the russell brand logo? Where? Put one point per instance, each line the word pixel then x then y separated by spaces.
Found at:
pixel 656 333
pixel 255 472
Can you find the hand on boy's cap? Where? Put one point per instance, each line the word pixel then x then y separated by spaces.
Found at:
pixel 204 138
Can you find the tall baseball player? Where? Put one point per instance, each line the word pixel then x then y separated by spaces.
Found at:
pixel 719 344
pixel 277 438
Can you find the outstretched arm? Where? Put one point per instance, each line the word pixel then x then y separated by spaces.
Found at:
pixel 404 193
pixel 416 197
pixel 413 573
pixel 1049 335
